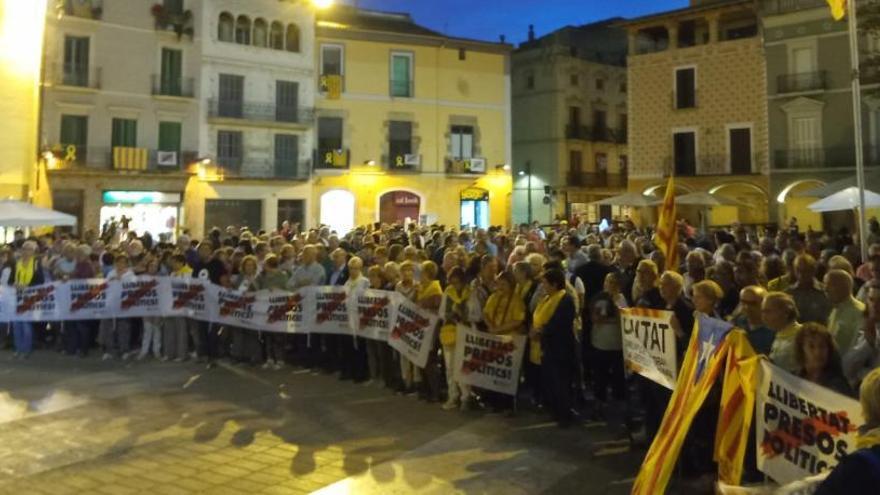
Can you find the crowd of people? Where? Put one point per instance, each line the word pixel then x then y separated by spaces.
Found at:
pixel 805 299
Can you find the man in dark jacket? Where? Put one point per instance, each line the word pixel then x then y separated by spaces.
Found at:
pixel 557 346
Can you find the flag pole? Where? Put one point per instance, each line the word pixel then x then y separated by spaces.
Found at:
pixel 857 124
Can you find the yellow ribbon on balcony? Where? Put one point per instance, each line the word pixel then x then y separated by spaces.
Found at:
pixel 129 158
pixel 838 9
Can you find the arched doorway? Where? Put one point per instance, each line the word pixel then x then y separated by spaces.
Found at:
pixel 337 210
pixel 475 207
pixel 792 204
pixel 399 207
pixel 752 198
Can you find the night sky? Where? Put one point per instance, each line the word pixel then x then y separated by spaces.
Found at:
pixel 487 19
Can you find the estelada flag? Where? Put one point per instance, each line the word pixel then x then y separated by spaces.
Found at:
pixel 838 9
pixel 737 407
pixel 666 237
pixel 702 364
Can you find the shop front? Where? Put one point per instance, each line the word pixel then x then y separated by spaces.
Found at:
pixel 474 204
pixel 399 207
pixel 156 212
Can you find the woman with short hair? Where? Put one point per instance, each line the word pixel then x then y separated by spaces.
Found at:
pixel 818 358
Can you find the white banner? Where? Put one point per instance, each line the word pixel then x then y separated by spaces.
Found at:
pixel 373 313
pixel 331 311
pixel 89 299
pixel 801 428
pixel 649 344
pixel 488 361
pixel 37 303
pixel 189 297
pixel 139 296
pixel 285 311
pixel 413 332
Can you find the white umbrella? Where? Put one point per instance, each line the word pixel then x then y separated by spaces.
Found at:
pixel 20 214
pixel 627 199
pixel 847 199
pixel 705 199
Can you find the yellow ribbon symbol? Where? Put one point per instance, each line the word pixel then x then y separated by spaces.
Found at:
pixel 328 158
pixel 70 153
pixel 399 161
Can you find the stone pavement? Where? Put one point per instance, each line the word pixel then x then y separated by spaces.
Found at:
pixel 85 426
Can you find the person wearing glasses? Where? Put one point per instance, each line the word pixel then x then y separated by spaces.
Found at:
pixel 748 317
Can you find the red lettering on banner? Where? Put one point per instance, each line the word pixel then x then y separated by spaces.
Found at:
pixel 87 297
pixel 487 357
pixel 280 311
pixel 30 301
pixel 336 300
pixel 230 307
pixel 373 310
pixel 135 296
pixel 190 294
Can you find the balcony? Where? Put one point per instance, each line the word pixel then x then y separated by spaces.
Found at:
pixel 180 22
pixel 590 133
pixel 402 89
pixel 260 112
pixel 90 9
pixel 229 167
pixel 72 157
pixel 73 76
pixel 777 7
pixel 712 165
pixel 815 158
pixel 403 163
pixel 685 100
pixel 596 179
pixel 465 166
pixel 182 87
pixel 332 85
pixel 806 81
pixel 332 159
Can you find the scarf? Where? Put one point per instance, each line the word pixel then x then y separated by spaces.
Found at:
pixel 546 308
pixel 495 304
pixel 184 271
pixel 454 302
pixel 458 297
pixel 868 438
pixel 789 332
pixel 24 272
pixel 522 290
pixel 426 291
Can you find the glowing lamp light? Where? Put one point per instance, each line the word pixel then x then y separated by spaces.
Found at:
pixel 521 173
pixel 322 4
pixel 21 36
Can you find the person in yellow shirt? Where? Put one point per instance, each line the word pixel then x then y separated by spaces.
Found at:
pixel 453 311
pixel 429 295
pixel 504 314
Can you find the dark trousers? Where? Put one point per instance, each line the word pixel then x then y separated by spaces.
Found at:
pixel 608 371
pixel 557 388
pixel 654 397
pixel 354 358
pixel 79 336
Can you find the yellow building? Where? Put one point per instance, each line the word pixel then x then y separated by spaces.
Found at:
pixel 411 124
pixel 698 107
pixel 21 38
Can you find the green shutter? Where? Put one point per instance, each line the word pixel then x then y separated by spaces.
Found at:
pixel 169 136
pixel 172 68
pixel 124 133
pixel 400 72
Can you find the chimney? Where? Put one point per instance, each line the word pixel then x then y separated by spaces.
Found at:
pixel 531 32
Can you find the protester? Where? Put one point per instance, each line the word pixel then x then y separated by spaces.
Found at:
pixel 27 273
pixel 818 359
pixel 847 313
pixel 606 339
pixel 859 472
pixel 553 324
pixel 453 311
pixel 780 314
pixel 748 317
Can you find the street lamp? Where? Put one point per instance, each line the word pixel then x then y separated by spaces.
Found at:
pixel 322 4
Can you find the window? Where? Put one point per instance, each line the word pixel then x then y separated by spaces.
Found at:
pixel 229 149
pixel 292 38
pixel 261 33
pixel 286 101
pixel 462 137
pixel 169 136
pixel 75 132
pixel 331 60
pixel 286 155
pixel 173 6
pixel 623 87
pixel 329 134
pixel 685 153
pixel 237 212
pixel 685 87
pixel 600 122
pixel 292 211
pixel 225 27
pixel 172 72
pixel 243 30
pixel 231 100
pixel 399 142
pixel 740 150
pixel 76 61
pixel 575 162
pixel 624 164
pixel 401 74
pixel 530 81
pixel 276 36
pixel 600 84
pixel 462 54
pixel 601 163
pixel 574 80
pixel 574 116
pixel 124 133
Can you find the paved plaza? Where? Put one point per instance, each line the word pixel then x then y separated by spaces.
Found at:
pixel 85 426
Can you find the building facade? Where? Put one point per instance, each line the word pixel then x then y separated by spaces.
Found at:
pixel 21 38
pixel 410 124
pixel 122 133
pixel 257 113
pixel 698 108
pixel 570 123
pixel 810 108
